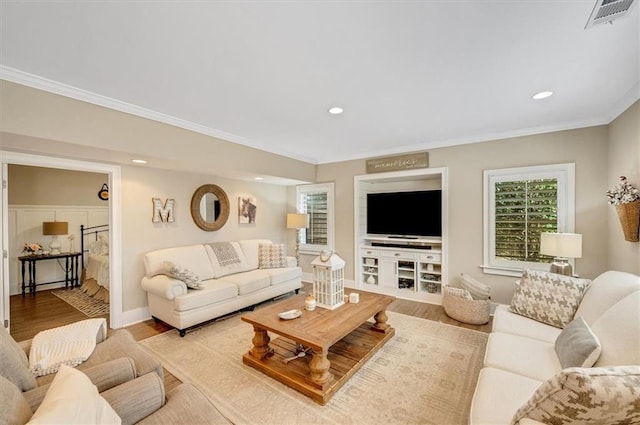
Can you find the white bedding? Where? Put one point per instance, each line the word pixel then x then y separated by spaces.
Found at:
pixel 98 269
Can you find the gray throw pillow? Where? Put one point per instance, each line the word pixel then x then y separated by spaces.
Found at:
pixel 577 345
pixel 14 362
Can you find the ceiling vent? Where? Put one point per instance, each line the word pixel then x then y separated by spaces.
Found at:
pixel 608 11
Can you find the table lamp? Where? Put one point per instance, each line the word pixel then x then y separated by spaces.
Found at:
pixel 297 221
pixel 561 246
pixel 55 228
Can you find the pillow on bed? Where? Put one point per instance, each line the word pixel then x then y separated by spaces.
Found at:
pixel 99 247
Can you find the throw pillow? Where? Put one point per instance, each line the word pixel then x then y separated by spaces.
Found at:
pixel 599 395
pixel 458 292
pixel 73 399
pixel 547 297
pixel 272 256
pixel 182 273
pixel 577 345
pixel 477 289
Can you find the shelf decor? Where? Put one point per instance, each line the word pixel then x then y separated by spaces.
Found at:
pixel 626 199
pixel 328 280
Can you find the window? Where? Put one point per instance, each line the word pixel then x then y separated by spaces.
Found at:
pixel 519 205
pixel 317 201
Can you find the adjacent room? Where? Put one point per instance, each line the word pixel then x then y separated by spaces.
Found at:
pixel 340 212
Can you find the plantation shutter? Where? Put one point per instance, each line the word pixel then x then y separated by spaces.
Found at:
pixel 314 204
pixel 523 210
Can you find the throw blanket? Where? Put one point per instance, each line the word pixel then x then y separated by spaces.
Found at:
pixel 227 256
pixel 71 345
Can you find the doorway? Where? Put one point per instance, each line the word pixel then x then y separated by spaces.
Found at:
pixel 115 264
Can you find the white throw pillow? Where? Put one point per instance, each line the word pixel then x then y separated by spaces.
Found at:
pixel 577 345
pixel 477 289
pixel 73 399
pixel 458 292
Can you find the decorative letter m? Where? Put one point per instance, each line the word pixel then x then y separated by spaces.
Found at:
pixel 161 213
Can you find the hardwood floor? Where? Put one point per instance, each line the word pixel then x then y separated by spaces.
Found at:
pixel 32 314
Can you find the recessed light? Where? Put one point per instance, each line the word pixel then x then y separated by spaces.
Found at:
pixel 139 161
pixel 336 110
pixel 542 95
pixel 258 178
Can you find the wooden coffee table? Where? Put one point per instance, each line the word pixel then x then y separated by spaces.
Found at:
pixel 341 341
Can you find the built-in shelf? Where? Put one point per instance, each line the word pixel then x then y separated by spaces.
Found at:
pixel 414 267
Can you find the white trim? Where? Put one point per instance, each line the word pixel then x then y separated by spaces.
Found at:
pixel 131 317
pixel 41 83
pixel 565 173
pixel 115 216
pixel 5 287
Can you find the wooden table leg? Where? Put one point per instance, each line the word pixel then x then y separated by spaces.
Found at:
pixel 381 324
pixel 23 261
pixel 261 349
pixel 319 367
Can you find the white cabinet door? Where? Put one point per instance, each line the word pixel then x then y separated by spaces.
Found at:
pixel 388 273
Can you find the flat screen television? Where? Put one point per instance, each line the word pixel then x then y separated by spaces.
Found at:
pixel 414 213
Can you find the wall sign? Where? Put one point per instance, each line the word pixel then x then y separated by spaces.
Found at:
pixel 162 213
pixel 103 193
pixel 398 162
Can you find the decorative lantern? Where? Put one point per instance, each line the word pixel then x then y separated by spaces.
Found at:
pixel 328 280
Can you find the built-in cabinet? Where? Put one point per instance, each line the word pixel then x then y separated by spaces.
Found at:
pixel 411 268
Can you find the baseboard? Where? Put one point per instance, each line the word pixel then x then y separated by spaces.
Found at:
pixel 138 315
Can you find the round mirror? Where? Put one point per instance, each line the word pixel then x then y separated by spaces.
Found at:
pixel 209 207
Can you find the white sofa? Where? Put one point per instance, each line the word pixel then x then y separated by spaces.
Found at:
pixel 223 290
pixel 521 356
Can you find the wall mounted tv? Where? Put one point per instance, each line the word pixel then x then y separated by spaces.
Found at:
pixel 415 213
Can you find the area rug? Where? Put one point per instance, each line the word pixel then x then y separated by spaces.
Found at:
pixel 88 305
pixel 425 374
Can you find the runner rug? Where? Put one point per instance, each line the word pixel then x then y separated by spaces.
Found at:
pixel 88 305
pixel 425 374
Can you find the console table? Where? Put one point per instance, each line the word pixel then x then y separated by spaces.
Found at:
pixel 70 269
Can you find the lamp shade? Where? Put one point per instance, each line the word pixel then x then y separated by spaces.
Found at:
pixel 565 245
pixel 297 221
pixel 55 228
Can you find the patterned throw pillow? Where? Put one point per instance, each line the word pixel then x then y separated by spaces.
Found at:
pixel 549 298
pixel 182 273
pixel 477 289
pixel 272 256
pixel 599 395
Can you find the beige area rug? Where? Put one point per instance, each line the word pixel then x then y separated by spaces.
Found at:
pixel 88 305
pixel 425 374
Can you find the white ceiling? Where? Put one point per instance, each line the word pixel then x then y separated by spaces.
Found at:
pixel 411 75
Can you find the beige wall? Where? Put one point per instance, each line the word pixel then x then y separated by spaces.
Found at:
pixel 587 148
pixel 624 160
pixel 140 234
pixel 50 186
pixel 61 126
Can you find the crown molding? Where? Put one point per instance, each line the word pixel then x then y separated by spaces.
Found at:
pixel 20 77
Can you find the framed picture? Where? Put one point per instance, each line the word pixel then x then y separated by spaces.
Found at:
pixel 247 209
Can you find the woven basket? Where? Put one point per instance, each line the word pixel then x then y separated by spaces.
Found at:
pixel 629 215
pixel 473 312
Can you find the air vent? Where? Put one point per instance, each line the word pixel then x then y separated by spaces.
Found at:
pixel 608 11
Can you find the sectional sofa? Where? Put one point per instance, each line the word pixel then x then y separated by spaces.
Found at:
pixel 230 276
pixel 523 372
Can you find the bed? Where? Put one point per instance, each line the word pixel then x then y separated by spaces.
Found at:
pixel 94 243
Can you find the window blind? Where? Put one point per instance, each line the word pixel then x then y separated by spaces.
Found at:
pixel 523 210
pixel 314 204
